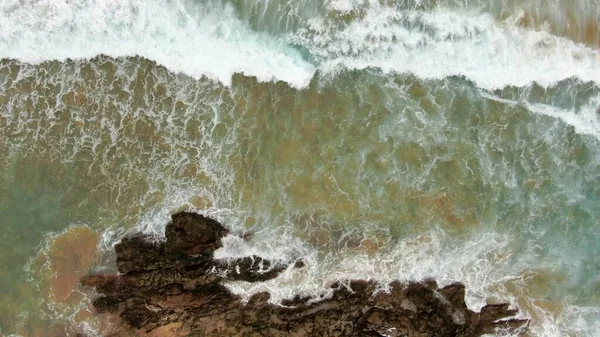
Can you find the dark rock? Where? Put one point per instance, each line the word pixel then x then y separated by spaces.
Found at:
pixel 178 281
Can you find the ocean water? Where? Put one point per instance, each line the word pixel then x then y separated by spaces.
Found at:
pixel 455 139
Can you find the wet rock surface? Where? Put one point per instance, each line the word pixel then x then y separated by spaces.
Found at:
pixel 172 288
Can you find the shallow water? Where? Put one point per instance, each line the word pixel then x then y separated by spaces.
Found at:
pixel 387 140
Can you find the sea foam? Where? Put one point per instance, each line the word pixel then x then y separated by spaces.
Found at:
pixel 442 42
pixel 194 39
pixel 210 39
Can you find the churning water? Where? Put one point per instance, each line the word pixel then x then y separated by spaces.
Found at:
pixel 390 139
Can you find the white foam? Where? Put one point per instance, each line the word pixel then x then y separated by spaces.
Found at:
pixel 584 120
pixel 481 261
pixel 193 39
pixel 209 39
pixel 440 43
pixel 432 254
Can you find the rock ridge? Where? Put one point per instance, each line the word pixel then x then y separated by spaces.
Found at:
pixel 173 288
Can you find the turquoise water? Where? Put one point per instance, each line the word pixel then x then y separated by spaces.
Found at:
pixel 393 140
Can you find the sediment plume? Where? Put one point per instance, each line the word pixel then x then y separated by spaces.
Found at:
pixel 173 288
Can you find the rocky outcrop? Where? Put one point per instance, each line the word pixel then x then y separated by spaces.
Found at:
pixel 173 288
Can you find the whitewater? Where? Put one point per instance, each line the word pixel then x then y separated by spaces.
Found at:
pixel 252 81
pixel 209 39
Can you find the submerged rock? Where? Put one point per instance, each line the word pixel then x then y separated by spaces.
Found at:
pixel 173 288
pixel 69 256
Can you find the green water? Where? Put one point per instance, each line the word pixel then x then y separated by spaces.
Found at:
pixel 106 141
pixel 343 138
